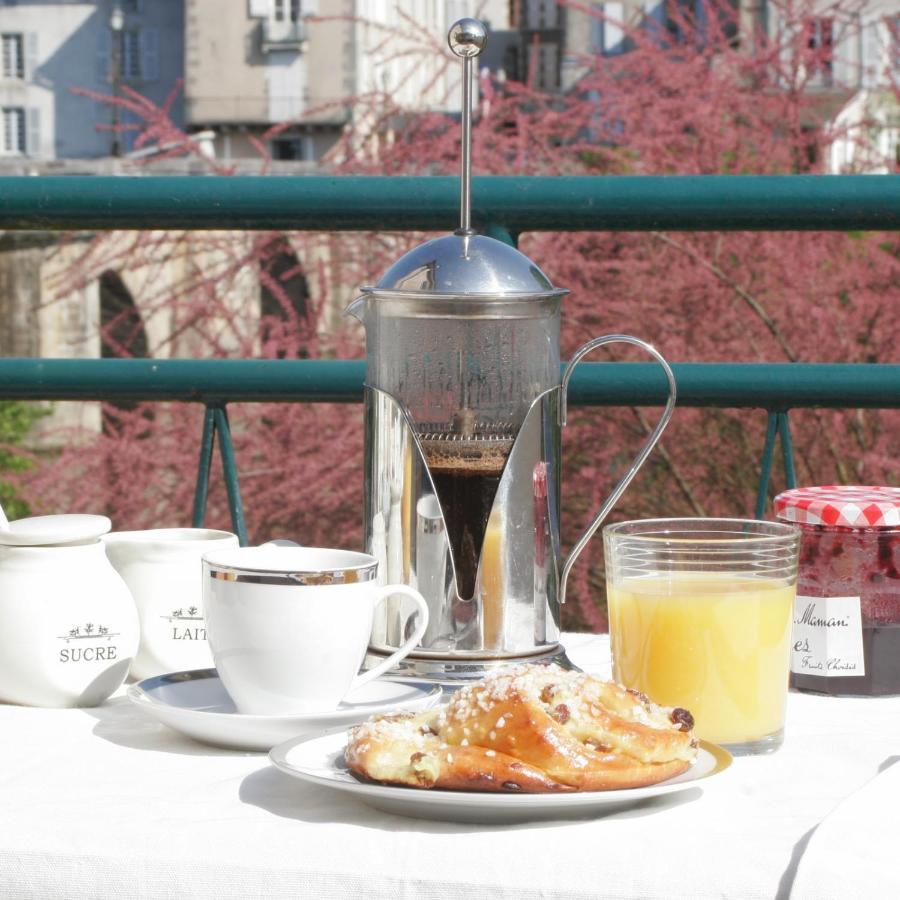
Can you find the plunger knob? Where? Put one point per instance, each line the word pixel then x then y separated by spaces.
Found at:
pixel 467 38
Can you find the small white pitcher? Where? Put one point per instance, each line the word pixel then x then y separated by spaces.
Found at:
pixel 162 568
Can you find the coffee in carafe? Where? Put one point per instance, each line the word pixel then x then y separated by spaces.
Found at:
pixel 466 475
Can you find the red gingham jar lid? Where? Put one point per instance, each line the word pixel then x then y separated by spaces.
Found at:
pixel 848 506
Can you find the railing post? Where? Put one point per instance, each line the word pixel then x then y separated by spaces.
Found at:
pixel 215 420
pixel 201 492
pixel 765 469
pixel 502 233
pixel 778 425
pixel 787 450
pixel 229 465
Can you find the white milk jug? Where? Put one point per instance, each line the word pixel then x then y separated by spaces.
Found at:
pixel 162 568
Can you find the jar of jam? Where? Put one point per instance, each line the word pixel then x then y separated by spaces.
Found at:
pixel 846 634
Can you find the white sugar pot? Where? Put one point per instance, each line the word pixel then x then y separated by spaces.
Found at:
pixel 68 623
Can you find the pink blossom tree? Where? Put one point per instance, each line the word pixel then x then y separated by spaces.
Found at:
pixel 690 99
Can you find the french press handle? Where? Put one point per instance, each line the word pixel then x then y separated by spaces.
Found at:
pixel 649 444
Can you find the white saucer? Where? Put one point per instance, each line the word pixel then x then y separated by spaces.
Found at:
pixel 197 704
pixel 320 760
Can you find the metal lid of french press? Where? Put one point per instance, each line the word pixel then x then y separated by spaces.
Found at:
pixel 465 265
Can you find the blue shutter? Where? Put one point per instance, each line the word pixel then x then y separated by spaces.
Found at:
pixel 597 26
pixel 31 55
pixel 149 44
pixel 872 62
pixel 33 132
pixel 104 54
pixel 843 70
pixel 701 19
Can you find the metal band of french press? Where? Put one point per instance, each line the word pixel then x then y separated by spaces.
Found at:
pixel 467 39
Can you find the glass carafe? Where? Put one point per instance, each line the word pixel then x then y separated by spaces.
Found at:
pixel 465 366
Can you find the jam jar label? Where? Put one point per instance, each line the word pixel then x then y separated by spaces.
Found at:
pixel 827 637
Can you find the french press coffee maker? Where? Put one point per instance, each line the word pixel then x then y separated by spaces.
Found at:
pixel 464 405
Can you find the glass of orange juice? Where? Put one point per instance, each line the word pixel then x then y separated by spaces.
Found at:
pixel 700 617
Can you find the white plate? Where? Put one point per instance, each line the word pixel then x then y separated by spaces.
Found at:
pixel 197 704
pixel 320 760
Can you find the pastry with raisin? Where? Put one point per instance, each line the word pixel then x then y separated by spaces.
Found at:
pixel 528 728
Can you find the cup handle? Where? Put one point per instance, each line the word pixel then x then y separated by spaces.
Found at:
pixel 408 645
pixel 649 444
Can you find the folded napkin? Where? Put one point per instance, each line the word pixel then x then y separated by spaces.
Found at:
pixel 855 851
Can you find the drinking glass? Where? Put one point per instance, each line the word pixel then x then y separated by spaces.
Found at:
pixel 700 614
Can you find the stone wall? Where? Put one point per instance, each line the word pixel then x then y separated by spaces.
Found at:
pixel 45 312
pixel 35 322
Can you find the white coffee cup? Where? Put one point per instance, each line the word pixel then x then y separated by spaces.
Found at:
pixel 161 567
pixel 289 626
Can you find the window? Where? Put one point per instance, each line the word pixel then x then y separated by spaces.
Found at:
pixel 286 10
pixel 541 14
pixel 131 55
pixel 13 56
pixel 550 67
pixel 292 148
pixel 283 303
pixel 544 66
pixel 122 333
pixel 512 64
pixel 122 330
pixel 13 131
pixel 819 40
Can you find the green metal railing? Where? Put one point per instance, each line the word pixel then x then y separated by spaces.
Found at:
pixel 513 204
pixel 502 207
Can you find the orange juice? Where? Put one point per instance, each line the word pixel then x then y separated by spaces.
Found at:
pixel 717 645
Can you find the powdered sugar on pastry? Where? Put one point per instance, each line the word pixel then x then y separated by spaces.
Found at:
pixel 529 728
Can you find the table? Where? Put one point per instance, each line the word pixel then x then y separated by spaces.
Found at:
pixel 107 803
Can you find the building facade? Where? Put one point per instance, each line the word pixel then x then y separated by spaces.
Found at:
pixel 857 59
pixel 49 48
pixel 858 68
pixel 253 69
pixel 312 64
pixel 316 66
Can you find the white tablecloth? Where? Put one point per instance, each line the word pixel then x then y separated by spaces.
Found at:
pixel 107 803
